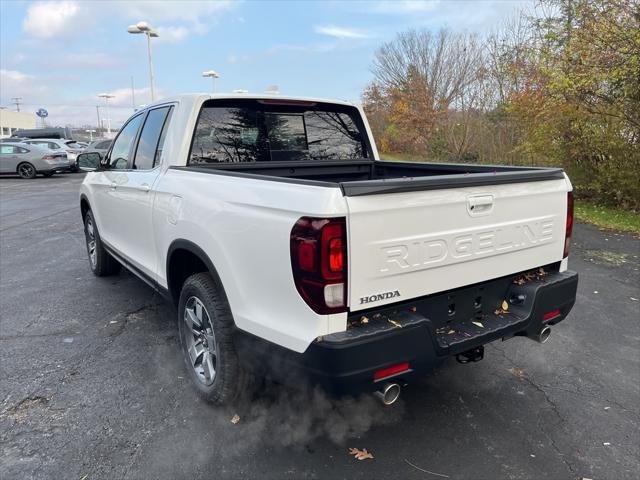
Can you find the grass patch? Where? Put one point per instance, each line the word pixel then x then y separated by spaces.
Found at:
pixel 403 157
pixel 607 217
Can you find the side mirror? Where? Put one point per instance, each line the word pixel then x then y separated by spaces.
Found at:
pixel 88 162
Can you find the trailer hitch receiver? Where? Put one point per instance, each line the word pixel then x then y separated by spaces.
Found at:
pixel 473 355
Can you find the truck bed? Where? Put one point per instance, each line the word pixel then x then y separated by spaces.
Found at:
pixel 369 177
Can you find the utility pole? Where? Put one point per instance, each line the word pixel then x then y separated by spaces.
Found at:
pixel 16 100
pixel 98 113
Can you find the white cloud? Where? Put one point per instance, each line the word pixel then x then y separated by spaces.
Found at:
pixel 339 32
pixel 172 34
pixel 11 76
pixel 404 7
pixel 51 19
pixel 19 84
pixel 166 10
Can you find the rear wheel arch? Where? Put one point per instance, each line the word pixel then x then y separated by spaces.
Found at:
pixel 185 258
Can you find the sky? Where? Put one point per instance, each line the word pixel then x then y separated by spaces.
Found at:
pixel 59 55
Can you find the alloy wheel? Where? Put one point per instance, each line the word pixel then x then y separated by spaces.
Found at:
pixel 200 340
pixel 26 170
pixel 91 242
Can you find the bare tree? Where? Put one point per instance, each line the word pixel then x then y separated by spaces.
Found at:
pixel 446 63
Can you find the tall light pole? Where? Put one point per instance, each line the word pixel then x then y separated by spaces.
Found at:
pixel 90 132
pixel 213 74
pixel 143 27
pixel 106 97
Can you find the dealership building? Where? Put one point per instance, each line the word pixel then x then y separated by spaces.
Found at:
pixel 10 121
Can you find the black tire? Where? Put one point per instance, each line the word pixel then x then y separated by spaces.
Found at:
pixel 102 264
pixel 230 379
pixel 48 174
pixel 26 170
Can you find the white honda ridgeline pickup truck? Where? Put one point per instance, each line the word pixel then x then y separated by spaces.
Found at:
pixel 291 250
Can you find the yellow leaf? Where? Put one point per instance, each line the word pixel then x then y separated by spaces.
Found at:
pixel 235 419
pixel 394 323
pixel 505 305
pixel 478 324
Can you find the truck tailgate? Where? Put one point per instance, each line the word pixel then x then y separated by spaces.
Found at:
pixel 410 244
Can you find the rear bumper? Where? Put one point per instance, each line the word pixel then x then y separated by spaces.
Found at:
pixel 346 362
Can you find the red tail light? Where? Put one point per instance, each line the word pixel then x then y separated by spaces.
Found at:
pixel 569 228
pixel 552 314
pixel 388 372
pixel 318 260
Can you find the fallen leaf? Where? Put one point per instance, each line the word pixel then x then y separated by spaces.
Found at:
pixel 360 454
pixel 394 323
pixel 113 321
pixel 606 444
pixel 595 291
pixel 364 319
pixel 505 305
pixel 634 299
pixel 518 372
pixel 478 324
pixel 607 408
pixel 413 309
pixel 451 332
pixel 235 419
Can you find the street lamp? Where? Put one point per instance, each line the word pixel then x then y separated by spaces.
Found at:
pixel 143 27
pixel 90 132
pixel 213 74
pixel 106 97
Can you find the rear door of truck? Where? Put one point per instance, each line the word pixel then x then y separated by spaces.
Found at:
pixel 417 240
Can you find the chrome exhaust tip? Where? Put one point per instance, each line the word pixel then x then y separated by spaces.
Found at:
pixel 389 393
pixel 544 335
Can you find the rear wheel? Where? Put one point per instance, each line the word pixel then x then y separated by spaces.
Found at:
pixel 26 170
pixel 102 264
pixel 206 328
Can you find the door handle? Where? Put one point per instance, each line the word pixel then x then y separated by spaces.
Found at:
pixel 113 185
pixel 145 187
pixel 480 204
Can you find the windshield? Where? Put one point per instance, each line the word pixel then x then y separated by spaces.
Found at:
pixel 235 131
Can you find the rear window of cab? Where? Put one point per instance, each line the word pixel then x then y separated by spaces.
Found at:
pixel 241 131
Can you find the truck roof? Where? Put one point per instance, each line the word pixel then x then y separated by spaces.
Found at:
pixel 191 98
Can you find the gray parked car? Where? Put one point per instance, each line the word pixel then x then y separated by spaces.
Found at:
pixel 28 160
pixel 99 146
pixel 71 147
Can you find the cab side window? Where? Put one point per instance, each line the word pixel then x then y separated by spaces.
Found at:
pixel 123 145
pixel 151 139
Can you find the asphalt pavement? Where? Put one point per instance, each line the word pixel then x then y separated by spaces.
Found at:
pixel 92 384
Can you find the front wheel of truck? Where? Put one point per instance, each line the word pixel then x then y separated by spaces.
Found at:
pixel 102 264
pixel 206 329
